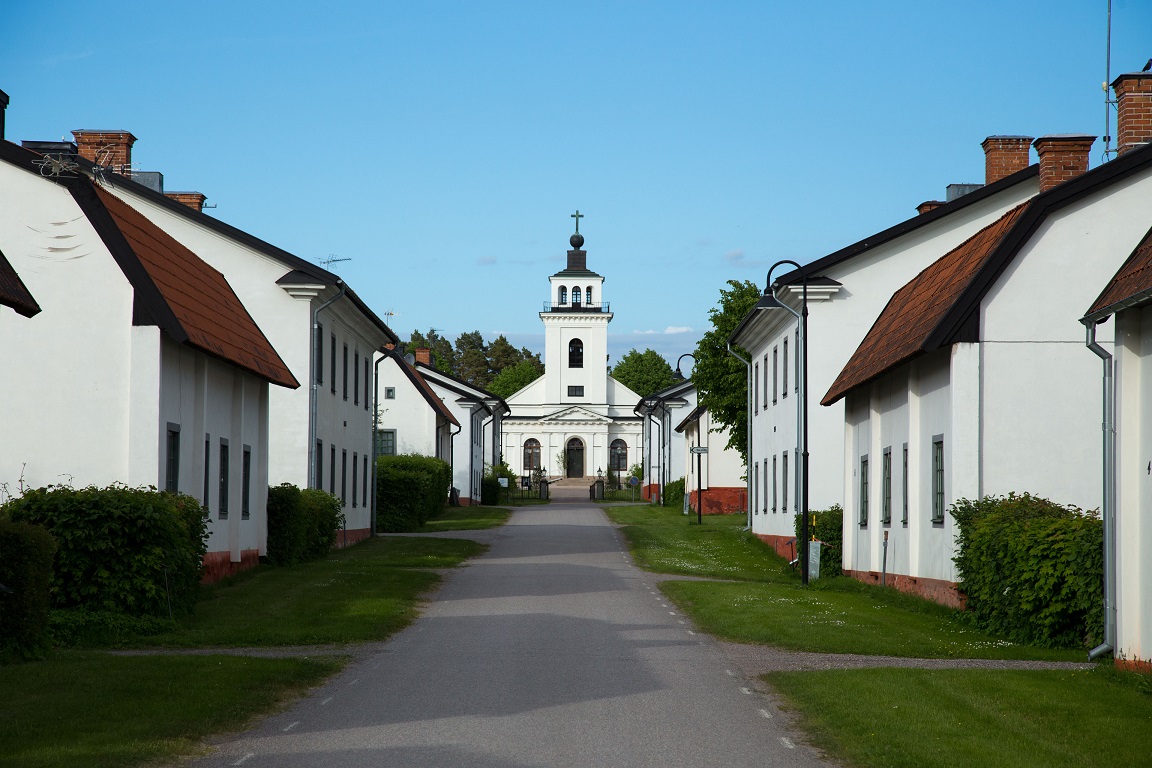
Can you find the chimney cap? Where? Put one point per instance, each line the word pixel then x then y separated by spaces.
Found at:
pixel 1065 137
pixel 3 99
pixel 1021 136
pixel 1132 76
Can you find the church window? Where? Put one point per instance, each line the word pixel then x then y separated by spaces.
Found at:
pixel 577 391
pixel 618 456
pixel 562 297
pixel 588 295
pixel 575 354
pixel 531 454
pixel 575 295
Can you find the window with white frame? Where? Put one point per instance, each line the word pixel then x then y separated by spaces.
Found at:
pixel 864 491
pixel 386 442
pixel 774 484
pixel 886 488
pixel 784 370
pixel 904 488
pixel 938 479
pixel 775 374
pixel 784 481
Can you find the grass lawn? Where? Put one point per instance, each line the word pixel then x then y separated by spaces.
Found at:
pixel 905 718
pixel 667 541
pixel 99 711
pixel 467 519
pixel 828 621
pixel 365 592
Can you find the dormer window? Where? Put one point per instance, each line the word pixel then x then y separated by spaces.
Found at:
pixel 588 295
pixel 575 295
pixel 575 354
pixel 562 297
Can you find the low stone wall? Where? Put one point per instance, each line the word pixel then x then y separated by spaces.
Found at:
pixel 350 537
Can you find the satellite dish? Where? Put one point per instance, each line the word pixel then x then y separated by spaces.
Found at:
pixel 410 359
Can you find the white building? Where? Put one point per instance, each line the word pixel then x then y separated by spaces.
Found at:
pixel 322 433
pixel 711 466
pixel 662 446
pixel 143 367
pixel 575 420
pixel 413 417
pixel 972 380
pixel 847 289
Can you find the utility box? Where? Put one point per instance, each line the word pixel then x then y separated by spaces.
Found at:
pixel 544 489
pixel 814 559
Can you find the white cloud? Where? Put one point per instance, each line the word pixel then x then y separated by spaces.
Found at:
pixel 734 256
pixel 677 329
pixel 486 261
pixel 645 333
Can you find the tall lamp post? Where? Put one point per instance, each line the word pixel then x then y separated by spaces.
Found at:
pixel 699 477
pixel 770 301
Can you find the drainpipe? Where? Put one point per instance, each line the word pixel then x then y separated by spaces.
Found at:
pixel 483 425
pixel 315 390
pixel 384 355
pixel 452 456
pixel 1108 508
pixel 748 421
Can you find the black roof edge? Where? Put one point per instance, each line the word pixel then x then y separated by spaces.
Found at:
pixel 250 240
pixel 483 392
pixel 146 292
pixel 20 307
pixel 909 225
pixel 1138 298
pixel 1041 206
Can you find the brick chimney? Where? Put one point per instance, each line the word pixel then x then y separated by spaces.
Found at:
pixel 1134 107
pixel 928 205
pixel 3 109
pixel 1062 156
pixel 423 355
pixel 194 200
pixel 111 149
pixel 1004 156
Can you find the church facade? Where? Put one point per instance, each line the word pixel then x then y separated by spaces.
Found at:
pixel 576 420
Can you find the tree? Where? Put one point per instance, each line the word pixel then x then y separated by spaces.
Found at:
pixel 443 356
pixel 721 380
pixel 502 354
pixel 472 359
pixel 514 378
pixel 644 372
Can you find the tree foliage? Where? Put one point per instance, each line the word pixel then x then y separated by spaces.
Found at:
pixel 721 380
pixel 644 372
pixel 514 378
pixel 476 362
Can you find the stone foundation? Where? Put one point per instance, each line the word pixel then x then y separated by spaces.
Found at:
pixel 784 546
pixel 350 537
pixel 650 493
pixel 218 565
pixel 1133 665
pixel 720 501
pixel 936 590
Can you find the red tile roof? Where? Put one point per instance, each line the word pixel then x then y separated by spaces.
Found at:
pixel 208 312
pixel 13 293
pixel 902 330
pixel 1132 279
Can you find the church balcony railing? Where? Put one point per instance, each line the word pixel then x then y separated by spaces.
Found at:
pixel 551 307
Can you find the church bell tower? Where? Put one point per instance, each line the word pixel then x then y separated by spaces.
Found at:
pixel 576 321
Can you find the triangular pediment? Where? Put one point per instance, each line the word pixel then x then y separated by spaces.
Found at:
pixel 574 414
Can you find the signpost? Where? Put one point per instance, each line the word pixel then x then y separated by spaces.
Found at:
pixel 632 483
pixel 699 450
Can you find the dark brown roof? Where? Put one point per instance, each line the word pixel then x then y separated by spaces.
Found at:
pixel 903 329
pixel 424 388
pixel 1131 285
pixel 695 415
pixel 188 299
pixel 12 290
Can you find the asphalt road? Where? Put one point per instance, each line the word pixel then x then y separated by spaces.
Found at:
pixel 550 650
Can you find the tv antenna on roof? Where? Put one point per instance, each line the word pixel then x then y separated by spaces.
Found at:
pixel 332 259
pixel 390 314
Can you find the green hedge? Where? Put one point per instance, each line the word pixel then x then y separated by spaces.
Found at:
pixel 26 571
pixel 829 529
pixel 674 494
pixel 490 491
pixel 1032 570
pixel 136 551
pixel 302 524
pixel 409 490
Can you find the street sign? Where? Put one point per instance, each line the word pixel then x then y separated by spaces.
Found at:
pixel 633 481
pixel 699 449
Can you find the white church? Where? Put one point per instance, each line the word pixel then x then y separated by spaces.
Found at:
pixel 575 421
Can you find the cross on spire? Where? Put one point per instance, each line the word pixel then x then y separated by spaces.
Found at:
pixel 576 216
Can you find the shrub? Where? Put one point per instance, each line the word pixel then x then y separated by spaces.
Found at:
pixel 674 494
pixel 137 551
pixel 829 529
pixel 409 490
pixel 302 524
pixel 490 490
pixel 1032 570
pixel 80 626
pixel 26 570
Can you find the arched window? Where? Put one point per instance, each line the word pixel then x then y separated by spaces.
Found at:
pixel 575 295
pixel 588 295
pixel 531 454
pixel 618 456
pixel 562 296
pixel 575 354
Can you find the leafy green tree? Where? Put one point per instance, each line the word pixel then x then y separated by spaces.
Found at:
pixel 644 372
pixel 501 355
pixel 514 378
pixel 472 359
pixel 443 355
pixel 721 380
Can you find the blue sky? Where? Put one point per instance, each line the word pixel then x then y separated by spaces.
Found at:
pixel 442 147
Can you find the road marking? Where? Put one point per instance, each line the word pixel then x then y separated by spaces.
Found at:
pixel 326 701
pixel 663 605
pixel 786 742
pixel 745 691
pixel 671 613
pixel 241 760
pixel 766 713
pixel 691 632
pixel 354 682
pixel 681 621
pixel 729 673
pixel 291 726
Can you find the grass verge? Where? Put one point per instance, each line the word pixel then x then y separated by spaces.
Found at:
pixel 366 592
pixel 99 711
pixel 467 519
pixel 992 718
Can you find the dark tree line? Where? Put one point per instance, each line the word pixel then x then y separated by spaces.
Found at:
pixel 497 366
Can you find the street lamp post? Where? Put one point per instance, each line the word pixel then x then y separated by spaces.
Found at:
pixel 699 477
pixel 770 301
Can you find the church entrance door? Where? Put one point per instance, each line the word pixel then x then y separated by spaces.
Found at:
pixel 575 455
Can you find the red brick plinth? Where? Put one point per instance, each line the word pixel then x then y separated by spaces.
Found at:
pixel 218 565
pixel 936 590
